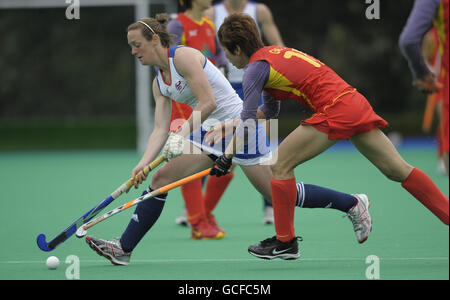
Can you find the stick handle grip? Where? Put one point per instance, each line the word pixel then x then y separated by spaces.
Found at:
pixel 130 182
pixel 154 193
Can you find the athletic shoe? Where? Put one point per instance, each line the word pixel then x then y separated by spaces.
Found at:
pixel 212 221
pixel 112 250
pixel 202 230
pixel 360 217
pixel 268 215
pixel 441 167
pixel 274 248
pixel 182 219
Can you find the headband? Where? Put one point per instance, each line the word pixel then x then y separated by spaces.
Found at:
pixel 148 26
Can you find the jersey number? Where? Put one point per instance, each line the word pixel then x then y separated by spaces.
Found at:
pixel 290 53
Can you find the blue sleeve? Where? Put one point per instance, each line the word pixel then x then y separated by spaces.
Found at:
pixel 419 23
pixel 270 107
pixel 176 28
pixel 221 60
pixel 255 78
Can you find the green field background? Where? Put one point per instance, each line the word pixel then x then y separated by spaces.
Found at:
pixel 45 191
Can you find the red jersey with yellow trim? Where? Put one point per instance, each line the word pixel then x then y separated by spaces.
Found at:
pixel 440 22
pixel 199 35
pixel 297 75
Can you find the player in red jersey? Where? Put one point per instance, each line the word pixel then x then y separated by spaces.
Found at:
pixel 340 112
pixel 192 29
pixel 424 15
pixel 433 57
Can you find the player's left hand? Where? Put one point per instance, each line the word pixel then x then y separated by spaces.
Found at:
pixel 141 177
pixel 174 146
pixel 428 84
pixel 221 166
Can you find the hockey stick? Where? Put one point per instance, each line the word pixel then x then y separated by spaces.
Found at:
pixel 82 231
pixel 69 231
pixel 429 112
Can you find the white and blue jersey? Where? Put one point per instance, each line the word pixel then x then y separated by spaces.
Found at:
pixel 229 106
pixel 220 13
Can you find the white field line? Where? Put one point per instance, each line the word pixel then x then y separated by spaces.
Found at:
pixel 200 260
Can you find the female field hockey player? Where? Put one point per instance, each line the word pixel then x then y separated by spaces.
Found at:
pixel 187 76
pixel 423 16
pixel 340 112
pixel 192 29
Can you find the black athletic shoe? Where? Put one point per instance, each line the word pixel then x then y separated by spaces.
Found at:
pixel 274 248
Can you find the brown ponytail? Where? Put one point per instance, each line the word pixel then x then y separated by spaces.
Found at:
pixel 157 25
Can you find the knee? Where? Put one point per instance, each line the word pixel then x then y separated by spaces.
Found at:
pixel 275 170
pixel 281 170
pixel 159 179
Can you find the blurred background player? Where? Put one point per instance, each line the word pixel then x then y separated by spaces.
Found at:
pixel 424 15
pixel 432 55
pixel 269 30
pixel 191 28
pixel 340 112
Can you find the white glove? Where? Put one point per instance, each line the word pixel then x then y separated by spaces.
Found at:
pixel 174 146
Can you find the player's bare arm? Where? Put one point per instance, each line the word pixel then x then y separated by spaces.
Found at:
pixel 189 63
pixel 268 26
pixel 158 137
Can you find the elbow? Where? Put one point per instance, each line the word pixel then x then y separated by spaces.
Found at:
pixel 405 43
pixel 270 112
pixel 402 43
pixel 402 40
pixel 206 108
pixel 403 46
pixel 211 107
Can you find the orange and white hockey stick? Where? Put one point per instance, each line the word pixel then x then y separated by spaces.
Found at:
pixel 82 231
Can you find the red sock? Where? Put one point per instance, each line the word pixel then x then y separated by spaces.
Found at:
pixel 215 187
pixel 192 195
pixel 284 195
pixel 423 189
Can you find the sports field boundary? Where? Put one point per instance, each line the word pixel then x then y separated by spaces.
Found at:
pixel 203 260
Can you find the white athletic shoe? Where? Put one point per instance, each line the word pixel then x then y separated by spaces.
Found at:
pixel 360 217
pixel 268 215
pixel 182 219
pixel 112 250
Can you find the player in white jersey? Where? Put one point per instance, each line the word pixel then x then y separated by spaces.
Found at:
pixel 185 75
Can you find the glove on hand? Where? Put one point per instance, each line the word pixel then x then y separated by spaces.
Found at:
pixel 221 166
pixel 174 146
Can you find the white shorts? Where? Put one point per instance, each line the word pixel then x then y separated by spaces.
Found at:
pixel 253 154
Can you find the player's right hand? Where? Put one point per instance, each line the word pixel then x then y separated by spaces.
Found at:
pixel 221 166
pixel 428 84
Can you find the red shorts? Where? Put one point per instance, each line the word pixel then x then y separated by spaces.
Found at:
pixel 346 116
